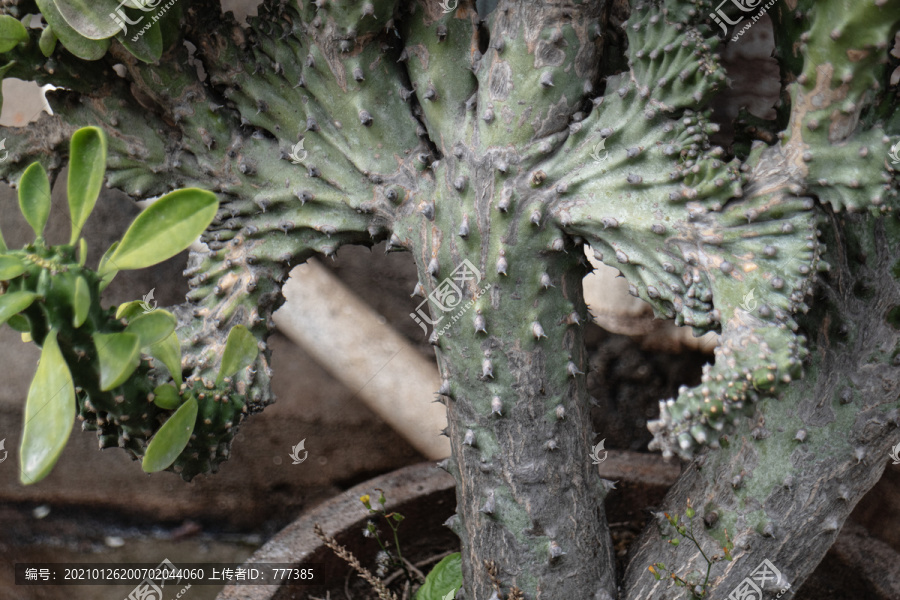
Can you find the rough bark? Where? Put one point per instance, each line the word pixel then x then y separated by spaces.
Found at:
pixel 794 468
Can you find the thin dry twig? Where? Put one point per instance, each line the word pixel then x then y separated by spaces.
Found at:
pixel 413 568
pixel 347 586
pixel 351 560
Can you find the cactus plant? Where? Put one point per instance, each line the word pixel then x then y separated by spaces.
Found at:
pixel 473 142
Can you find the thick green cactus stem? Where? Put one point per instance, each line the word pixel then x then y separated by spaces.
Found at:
pixel 841 80
pixel 513 362
pixel 798 467
pixel 505 145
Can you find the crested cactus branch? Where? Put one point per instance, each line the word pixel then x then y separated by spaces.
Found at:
pixel 796 466
pixel 492 148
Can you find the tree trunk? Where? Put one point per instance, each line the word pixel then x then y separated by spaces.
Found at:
pixel 792 472
pixel 529 498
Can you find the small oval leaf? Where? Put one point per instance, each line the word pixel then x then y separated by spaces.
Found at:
pixel 82 252
pixel 12 32
pixel 106 271
pixel 129 310
pixel 13 303
pixel 103 266
pixel 87 167
pixel 171 439
pixel 152 327
pixel 443 580
pixel 77 44
pixel 119 355
pixel 20 323
pixel 47 43
pixel 240 351
pixel 166 396
pixel 10 267
pixel 34 197
pixel 165 228
pixel 168 352
pixel 93 19
pixel 82 301
pixel 49 414
pixel 148 48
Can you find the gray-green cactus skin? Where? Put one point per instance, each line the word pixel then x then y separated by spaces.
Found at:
pixel 456 139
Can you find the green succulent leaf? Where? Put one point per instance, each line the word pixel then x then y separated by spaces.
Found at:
pixel 12 32
pixel 119 355
pixel 81 303
pixel 171 439
pixel 6 68
pixel 148 48
pixel 82 252
pixel 90 18
pixel 445 578
pixel 34 197
pixel 168 352
pixel 19 323
pixel 13 303
pixel 240 351
pixel 166 396
pixel 165 228
pixel 153 327
pixel 129 310
pixel 10 267
pixel 79 45
pixel 87 167
pixel 49 413
pixel 48 40
pixel 105 269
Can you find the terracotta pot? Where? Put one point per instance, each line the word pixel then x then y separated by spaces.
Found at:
pixel 422 493
pixel 857 566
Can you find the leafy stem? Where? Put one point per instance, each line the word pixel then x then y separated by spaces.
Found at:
pixel 698 589
pixel 393 520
